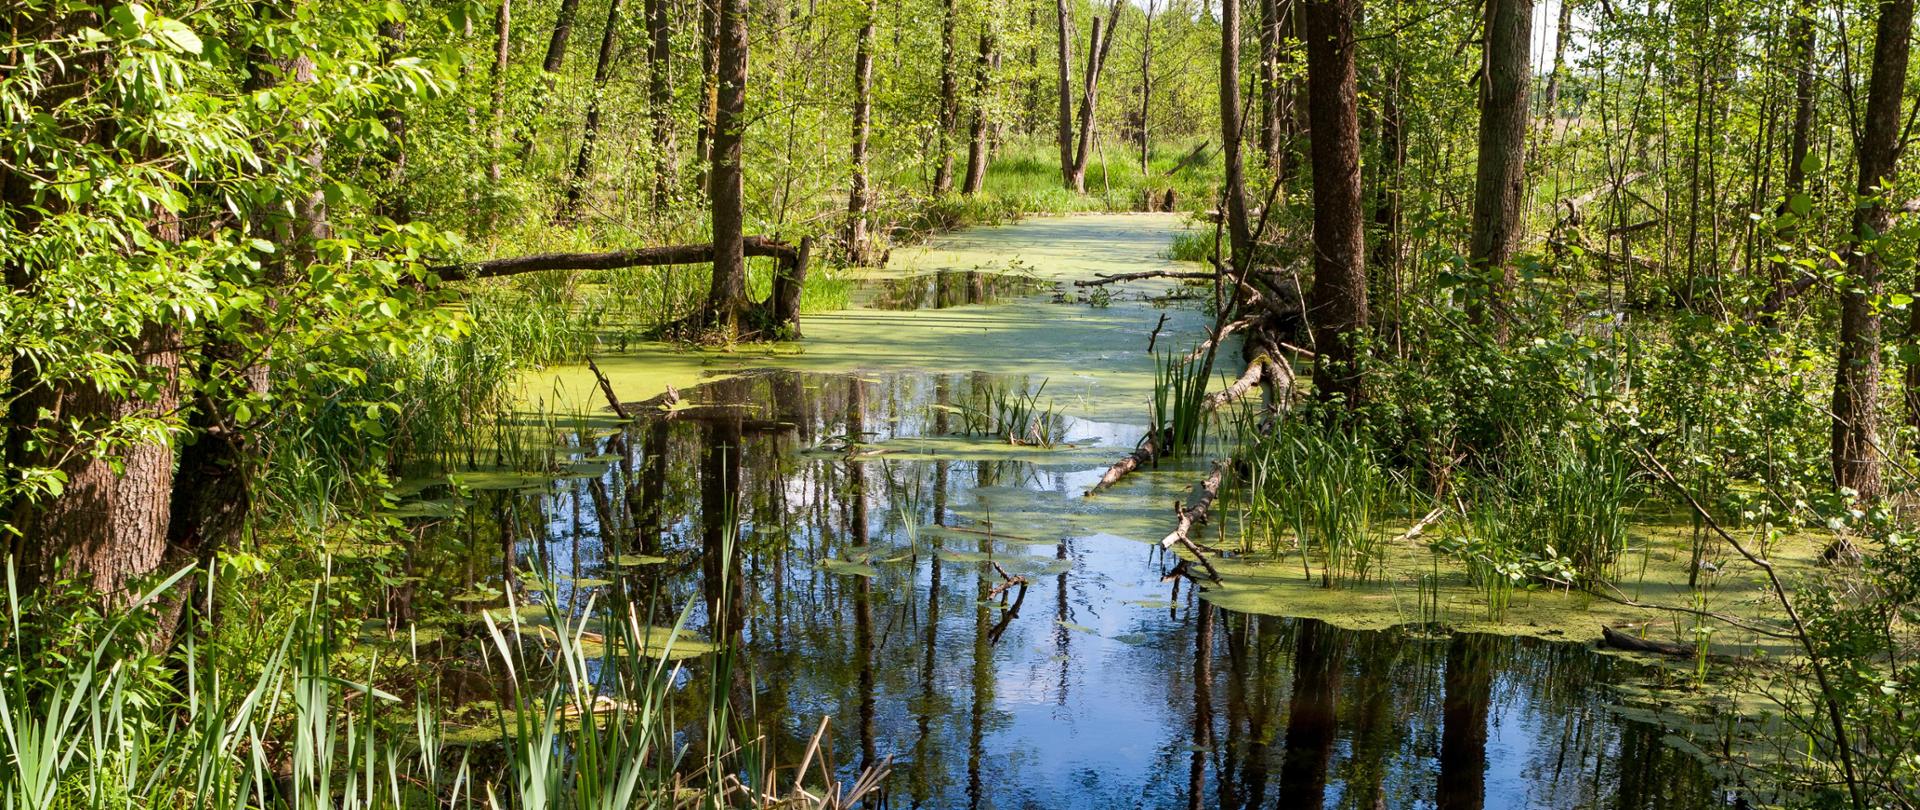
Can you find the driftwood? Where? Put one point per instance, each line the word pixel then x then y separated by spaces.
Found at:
pixel 1101 280
pixel 1195 514
pixel 1610 637
pixel 637 257
pixel 606 388
pixel 1421 526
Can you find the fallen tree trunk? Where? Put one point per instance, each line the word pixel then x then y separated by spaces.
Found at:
pixel 611 260
pixel 1116 278
pixel 1194 514
pixel 1610 637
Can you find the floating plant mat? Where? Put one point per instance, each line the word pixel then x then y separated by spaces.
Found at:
pixel 1653 571
pixel 1095 358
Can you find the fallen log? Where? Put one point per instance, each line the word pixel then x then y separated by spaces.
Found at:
pixel 611 260
pixel 1195 514
pixel 1116 278
pixel 1610 637
pixel 1421 526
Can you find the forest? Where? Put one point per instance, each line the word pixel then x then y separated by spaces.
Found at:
pixel 533 404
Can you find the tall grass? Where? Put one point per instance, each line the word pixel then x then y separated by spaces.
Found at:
pixel 1323 490
pixel 590 718
pixel 1013 414
pixel 1178 417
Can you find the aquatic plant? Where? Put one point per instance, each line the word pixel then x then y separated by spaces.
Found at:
pixel 587 718
pixel 1013 414
pixel 1323 490
pixel 1178 416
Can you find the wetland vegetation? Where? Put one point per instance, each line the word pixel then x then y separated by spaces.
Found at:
pixel 959 403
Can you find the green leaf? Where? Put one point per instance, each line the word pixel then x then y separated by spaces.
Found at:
pixel 177 34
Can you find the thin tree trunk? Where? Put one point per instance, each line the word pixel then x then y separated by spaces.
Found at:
pixel 949 100
pixel 550 66
pixel 1550 99
pixel 393 202
pixel 589 139
pixel 1500 180
pixel 709 85
pixel 1337 309
pixel 1100 44
pixel 1064 28
pixel 1386 197
pixel 1268 72
pixel 1235 186
pixel 858 202
pixel 727 297
pixel 1856 429
pixel 502 45
pixel 660 97
pixel 1146 89
pixel 982 92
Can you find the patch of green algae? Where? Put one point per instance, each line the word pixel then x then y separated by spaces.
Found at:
pixel 1415 585
pixel 1094 358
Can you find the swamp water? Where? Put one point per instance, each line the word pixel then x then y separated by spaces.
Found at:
pixel 956 604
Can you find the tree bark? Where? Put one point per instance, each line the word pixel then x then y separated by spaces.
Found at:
pixel 858 201
pixel 1064 28
pixel 590 137
pixel 660 98
pixel 1268 75
pixel 982 104
pixel 497 110
pixel 1500 179
pixel 1856 429
pixel 727 297
pixel 1146 89
pixel 1235 186
pixel 949 100
pixel 1337 307
pixel 1098 47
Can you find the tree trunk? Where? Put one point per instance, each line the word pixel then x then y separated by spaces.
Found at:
pixel 1386 196
pixel 550 66
pixel 1269 81
pixel 858 203
pixel 1856 430
pixel 949 101
pixel 590 137
pixel 1804 45
pixel 1500 179
pixel 982 97
pixel 1235 186
pixel 213 495
pixel 1337 308
pixel 709 84
pixel 1065 73
pixel 660 97
pixel 1146 90
pixel 1098 46
pixel 727 297
pixel 1550 99
pixel 1076 178
pixel 393 202
pixel 497 110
